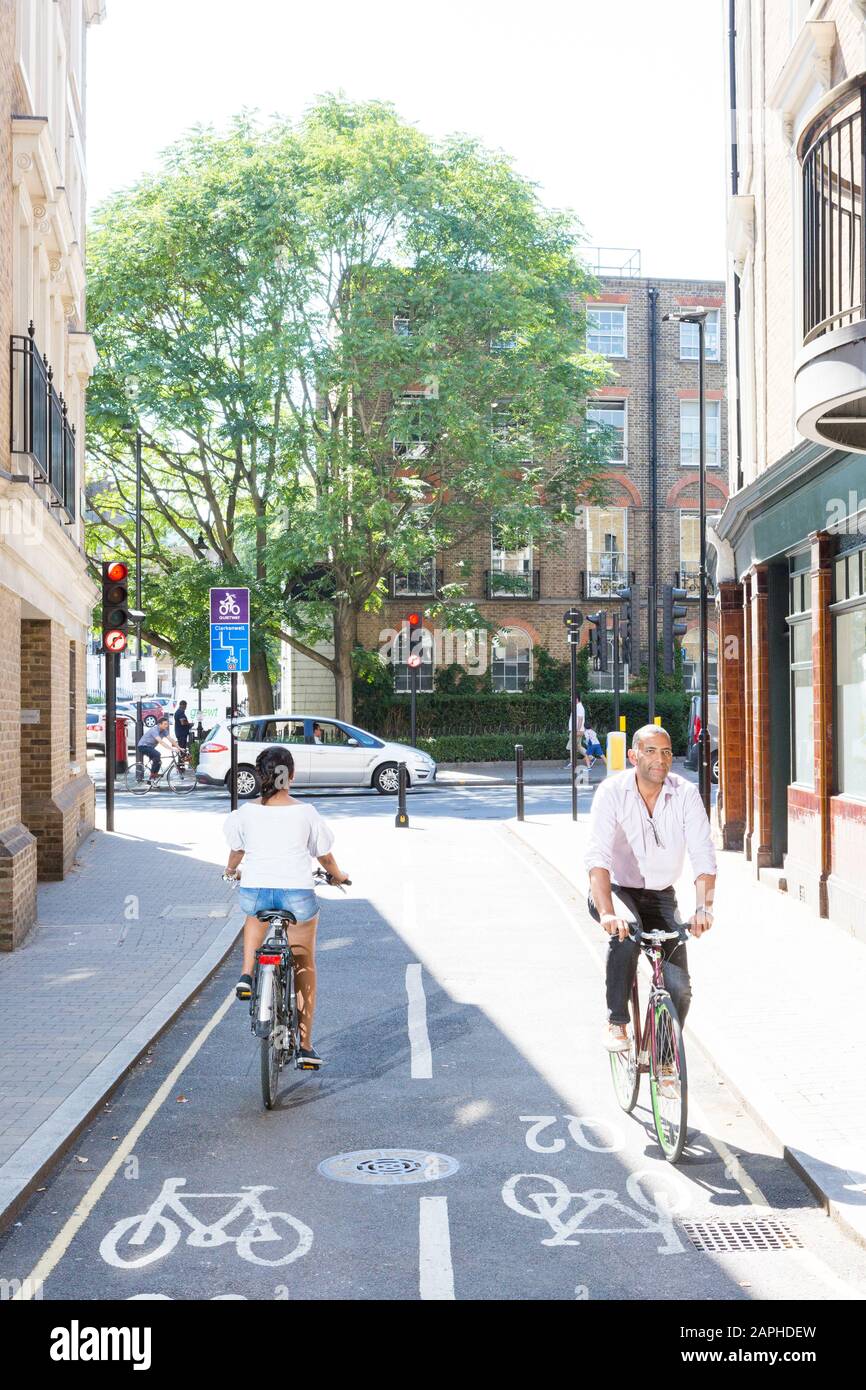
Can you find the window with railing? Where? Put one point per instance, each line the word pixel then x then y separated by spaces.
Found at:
pixel 834 268
pixel 606 551
pixel 510 573
pixel 41 431
pixel 424 580
pixel 690 551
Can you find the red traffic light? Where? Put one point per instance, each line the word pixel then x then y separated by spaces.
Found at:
pixel 413 619
pixel 114 641
pixel 116 571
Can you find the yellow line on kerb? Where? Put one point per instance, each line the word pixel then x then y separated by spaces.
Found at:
pixel 62 1241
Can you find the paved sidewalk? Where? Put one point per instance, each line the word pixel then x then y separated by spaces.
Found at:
pixel 778 1001
pixel 538 773
pixel 119 948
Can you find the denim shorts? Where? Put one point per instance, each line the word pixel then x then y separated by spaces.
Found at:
pixel 301 901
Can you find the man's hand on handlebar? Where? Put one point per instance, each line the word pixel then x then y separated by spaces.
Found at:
pixel 613 925
pixel 700 921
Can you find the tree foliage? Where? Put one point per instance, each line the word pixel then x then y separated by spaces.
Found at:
pixel 347 347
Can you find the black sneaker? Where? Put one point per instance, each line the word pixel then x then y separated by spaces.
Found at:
pixel 244 987
pixel 309 1058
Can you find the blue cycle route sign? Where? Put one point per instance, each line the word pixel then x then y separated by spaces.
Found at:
pixel 229 630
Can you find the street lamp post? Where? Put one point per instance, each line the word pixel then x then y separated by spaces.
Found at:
pixel 699 316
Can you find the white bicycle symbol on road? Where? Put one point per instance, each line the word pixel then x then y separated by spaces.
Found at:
pixel 229 607
pixel 134 1232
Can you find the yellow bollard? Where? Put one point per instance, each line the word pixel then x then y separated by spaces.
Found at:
pixel 658 720
pixel 616 760
pixel 622 723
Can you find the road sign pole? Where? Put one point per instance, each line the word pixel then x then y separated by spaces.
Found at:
pixel 233 702
pixel 572 652
pixel 110 738
pixel 413 698
pixel 616 668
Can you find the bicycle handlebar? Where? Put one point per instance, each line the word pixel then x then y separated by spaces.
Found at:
pixel 637 934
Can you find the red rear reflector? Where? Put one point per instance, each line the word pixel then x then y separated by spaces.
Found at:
pixel 269 960
pixel 215 748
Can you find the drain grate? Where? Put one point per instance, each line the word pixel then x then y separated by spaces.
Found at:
pixel 388 1166
pixel 759 1233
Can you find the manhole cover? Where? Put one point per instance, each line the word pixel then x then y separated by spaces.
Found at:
pixel 716 1237
pixel 388 1166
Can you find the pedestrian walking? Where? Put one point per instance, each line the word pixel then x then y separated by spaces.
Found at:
pixel 580 721
pixel 593 747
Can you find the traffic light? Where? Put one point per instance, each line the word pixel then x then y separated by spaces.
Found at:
pixel 573 620
pixel 115 605
pixel 629 627
pixel 673 626
pixel 598 639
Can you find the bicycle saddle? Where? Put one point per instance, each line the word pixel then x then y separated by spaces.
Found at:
pixel 268 914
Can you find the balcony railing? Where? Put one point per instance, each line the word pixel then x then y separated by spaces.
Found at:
pixel 512 584
pixel 832 153
pixel 605 583
pixel 41 431
pixel 689 578
pixel 421 583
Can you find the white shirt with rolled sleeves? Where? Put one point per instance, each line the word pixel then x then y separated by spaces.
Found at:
pixel 621 837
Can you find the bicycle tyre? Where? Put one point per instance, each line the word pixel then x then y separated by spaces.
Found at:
pixel 670 1112
pixel 181 780
pixel 624 1069
pixel 138 788
pixel 269 1046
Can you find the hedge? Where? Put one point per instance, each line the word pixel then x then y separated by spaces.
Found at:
pixel 516 717
pixel 492 748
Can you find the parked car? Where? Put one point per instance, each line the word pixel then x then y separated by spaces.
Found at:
pixel 96 727
pixel 152 710
pixel 691 759
pixel 340 755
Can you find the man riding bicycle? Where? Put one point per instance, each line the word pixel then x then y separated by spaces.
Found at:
pixel 643 823
pixel 152 740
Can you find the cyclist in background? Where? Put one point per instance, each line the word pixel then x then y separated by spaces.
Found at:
pixel 152 740
pixel 276 837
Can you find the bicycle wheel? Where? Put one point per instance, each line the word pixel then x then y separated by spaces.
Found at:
pixel 668 1080
pixel 139 786
pixel 270 1049
pixel 624 1066
pixel 181 779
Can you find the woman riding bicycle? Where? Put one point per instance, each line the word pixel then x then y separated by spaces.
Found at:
pixel 276 837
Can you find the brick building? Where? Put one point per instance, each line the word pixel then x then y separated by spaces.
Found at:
pixel 525 592
pixel 46 597
pixel 791 554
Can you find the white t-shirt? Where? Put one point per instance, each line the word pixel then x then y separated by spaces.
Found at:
pixel 278 843
pixel 580 712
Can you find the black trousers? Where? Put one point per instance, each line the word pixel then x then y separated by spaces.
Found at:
pixel 653 909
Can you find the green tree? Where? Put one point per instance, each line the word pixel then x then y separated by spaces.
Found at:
pixel 351 347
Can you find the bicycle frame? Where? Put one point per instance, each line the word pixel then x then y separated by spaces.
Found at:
pixel 643 1036
pixel 172 1200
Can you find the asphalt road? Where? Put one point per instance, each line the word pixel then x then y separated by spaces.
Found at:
pixel 460 1008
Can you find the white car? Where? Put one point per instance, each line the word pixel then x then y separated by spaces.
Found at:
pixel 327 752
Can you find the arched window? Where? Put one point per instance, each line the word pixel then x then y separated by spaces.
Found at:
pixel 691 645
pixel 511 660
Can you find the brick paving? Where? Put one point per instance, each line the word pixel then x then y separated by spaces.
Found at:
pixel 777 1003
pixel 139 909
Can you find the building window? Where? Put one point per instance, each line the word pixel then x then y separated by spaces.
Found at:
pixel 850 638
pixel 690 338
pixel 612 416
pixel 800 638
pixel 690 443
pixel 399 654
pixel 402 325
pixel 411 440
pixel 417 581
pixel 691 647
pixel 606 551
pixel 606 330
pixel 511 660
pixel 690 550
pixel 510 570
pixel 73 701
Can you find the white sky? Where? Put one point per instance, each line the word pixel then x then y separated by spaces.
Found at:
pixel 616 109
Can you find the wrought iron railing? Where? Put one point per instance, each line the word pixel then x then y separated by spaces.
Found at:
pixel 424 582
pixel 689 578
pixel 40 428
pixel 604 583
pixel 512 584
pixel 832 154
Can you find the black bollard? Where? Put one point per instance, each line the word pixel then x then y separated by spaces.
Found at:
pixel 518 754
pixel 401 820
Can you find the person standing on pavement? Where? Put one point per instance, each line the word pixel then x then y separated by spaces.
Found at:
pixel 182 726
pixel 642 825
pixel 272 841
pixel 580 721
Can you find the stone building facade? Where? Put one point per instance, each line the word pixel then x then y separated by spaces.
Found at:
pixel 46 597
pixel 791 544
